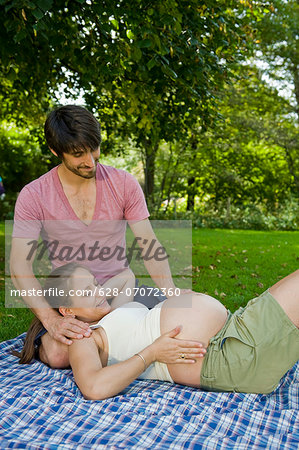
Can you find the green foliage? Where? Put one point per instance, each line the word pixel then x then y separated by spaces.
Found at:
pixel 148 71
pixel 128 50
pixel 249 156
pixel 277 40
pixel 248 216
pixel 21 158
pixel 168 78
pixel 277 45
pixel 7 206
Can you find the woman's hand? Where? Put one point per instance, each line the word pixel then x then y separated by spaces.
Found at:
pixel 168 350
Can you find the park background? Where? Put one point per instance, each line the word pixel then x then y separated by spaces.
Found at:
pixel 198 99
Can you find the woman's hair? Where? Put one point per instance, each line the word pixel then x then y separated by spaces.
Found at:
pixel 30 350
pixel 59 280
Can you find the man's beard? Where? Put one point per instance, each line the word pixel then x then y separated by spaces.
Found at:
pixel 80 171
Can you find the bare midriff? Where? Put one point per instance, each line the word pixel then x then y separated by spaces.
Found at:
pixel 201 318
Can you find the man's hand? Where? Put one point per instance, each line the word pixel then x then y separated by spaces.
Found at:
pixel 187 291
pixel 169 293
pixel 62 328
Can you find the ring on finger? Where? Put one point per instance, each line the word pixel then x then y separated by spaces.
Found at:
pixel 182 356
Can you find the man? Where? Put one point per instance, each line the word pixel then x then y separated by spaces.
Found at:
pixel 82 193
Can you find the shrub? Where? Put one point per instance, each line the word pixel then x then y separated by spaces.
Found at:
pixel 248 217
pixel 7 206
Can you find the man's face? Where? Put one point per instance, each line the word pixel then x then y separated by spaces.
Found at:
pixel 82 163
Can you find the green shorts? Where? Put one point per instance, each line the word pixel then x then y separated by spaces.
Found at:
pixel 256 347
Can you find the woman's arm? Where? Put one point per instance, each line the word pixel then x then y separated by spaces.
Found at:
pixel 122 285
pixel 97 382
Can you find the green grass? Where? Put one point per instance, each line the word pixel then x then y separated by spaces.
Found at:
pixel 13 321
pixel 236 265
pixel 231 265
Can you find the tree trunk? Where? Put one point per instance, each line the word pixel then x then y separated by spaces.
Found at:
pixel 190 194
pixel 191 180
pixel 174 171
pixel 296 86
pixel 166 173
pixel 149 171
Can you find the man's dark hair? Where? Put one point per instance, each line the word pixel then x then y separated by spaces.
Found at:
pixel 70 128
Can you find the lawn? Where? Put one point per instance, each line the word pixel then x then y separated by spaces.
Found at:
pixel 236 265
pixel 231 265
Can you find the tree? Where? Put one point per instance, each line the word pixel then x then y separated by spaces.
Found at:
pixel 278 45
pixel 243 159
pixel 21 159
pixel 147 68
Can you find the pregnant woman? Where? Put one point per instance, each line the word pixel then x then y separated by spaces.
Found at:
pixel 248 351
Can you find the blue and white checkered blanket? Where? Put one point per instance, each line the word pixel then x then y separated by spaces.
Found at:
pixel 43 408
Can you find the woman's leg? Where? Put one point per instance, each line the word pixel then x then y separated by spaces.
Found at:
pixel 286 293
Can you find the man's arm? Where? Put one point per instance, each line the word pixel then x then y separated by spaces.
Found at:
pixel 22 275
pixel 159 270
pixel 120 287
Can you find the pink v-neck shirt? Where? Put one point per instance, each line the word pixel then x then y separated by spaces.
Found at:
pixel 42 208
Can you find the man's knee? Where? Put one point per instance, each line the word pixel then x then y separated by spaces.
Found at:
pixel 53 353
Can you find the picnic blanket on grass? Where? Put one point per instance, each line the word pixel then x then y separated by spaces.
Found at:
pixel 43 408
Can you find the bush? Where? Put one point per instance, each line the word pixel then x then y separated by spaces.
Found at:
pixel 246 217
pixel 21 158
pixel 7 206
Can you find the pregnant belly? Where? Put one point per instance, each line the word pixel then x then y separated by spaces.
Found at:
pixel 201 317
